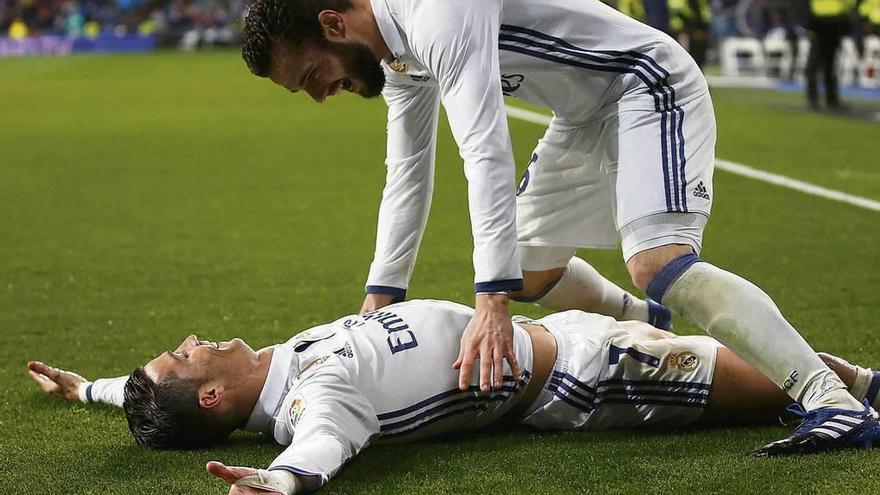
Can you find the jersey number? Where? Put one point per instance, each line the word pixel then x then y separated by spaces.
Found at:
pixel 615 353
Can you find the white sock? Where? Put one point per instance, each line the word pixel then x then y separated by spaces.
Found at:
pixel 744 318
pixel 582 287
pixel 866 385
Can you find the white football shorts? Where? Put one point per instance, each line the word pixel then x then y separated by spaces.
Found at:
pixel 607 377
pixel 639 178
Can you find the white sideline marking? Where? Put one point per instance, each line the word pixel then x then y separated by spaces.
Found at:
pixel 740 169
pixel 804 187
pixel 741 82
pixel 527 115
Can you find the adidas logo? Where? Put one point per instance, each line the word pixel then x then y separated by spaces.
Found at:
pixel 700 191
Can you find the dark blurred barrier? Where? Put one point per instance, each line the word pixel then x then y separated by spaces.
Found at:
pixel 62 45
pixel 777 58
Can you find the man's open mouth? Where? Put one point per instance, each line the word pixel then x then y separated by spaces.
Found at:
pixel 215 345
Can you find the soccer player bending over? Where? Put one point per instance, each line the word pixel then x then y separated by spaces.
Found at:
pixel 330 391
pixel 628 159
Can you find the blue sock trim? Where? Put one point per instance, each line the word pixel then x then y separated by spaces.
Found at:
pixel 511 285
pixel 541 294
pixel 659 315
pixel 398 293
pixel 89 393
pixel 668 275
pixel 874 388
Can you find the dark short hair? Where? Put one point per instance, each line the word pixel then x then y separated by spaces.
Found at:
pixel 271 21
pixel 166 415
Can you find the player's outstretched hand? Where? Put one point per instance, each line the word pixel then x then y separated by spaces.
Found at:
pixel 489 337
pixel 54 381
pixel 375 301
pixel 231 474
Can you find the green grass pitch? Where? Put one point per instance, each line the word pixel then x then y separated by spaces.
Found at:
pixel 144 197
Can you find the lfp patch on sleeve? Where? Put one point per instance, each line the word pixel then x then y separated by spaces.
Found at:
pixel 296 411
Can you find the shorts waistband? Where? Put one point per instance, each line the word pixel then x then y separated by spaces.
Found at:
pixel 560 366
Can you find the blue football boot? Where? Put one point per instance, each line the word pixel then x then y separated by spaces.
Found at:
pixel 659 315
pixel 827 429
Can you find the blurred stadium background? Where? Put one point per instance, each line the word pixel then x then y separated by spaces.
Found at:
pixel 144 196
pixel 752 42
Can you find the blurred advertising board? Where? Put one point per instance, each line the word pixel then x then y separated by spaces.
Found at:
pixel 63 45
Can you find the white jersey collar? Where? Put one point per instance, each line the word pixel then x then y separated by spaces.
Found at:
pixel 273 391
pixel 387 27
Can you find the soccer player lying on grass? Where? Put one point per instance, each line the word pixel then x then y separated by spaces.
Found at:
pixel 330 391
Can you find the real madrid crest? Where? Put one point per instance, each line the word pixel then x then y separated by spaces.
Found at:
pixel 397 65
pixel 685 361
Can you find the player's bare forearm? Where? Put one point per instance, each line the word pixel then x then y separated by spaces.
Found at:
pixel 489 337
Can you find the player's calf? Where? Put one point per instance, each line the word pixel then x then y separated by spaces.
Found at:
pixel 578 285
pixel 863 383
pixel 741 315
pixel 536 284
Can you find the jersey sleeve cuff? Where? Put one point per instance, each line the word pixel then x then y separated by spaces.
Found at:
pixel 398 294
pixel 317 478
pixel 511 285
pixel 85 392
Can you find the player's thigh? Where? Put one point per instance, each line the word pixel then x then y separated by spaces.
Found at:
pixel 741 394
pixel 663 175
pixel 563 198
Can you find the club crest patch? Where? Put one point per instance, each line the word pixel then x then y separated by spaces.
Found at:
pixel 685 361
pixel 313 365
pixel 397 65
pixel 297 408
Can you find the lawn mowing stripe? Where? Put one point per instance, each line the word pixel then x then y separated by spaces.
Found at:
pixel 740 169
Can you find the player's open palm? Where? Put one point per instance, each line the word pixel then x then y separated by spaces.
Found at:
pixel 489 337
pixel 232 474
pixel 54 381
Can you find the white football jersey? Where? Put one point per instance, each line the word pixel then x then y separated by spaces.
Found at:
pixel 580 58
pixel 385 375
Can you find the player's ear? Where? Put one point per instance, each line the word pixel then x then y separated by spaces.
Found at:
pixel 211 395
pixel 332 25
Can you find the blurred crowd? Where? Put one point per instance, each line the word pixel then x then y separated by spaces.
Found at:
pixel 701 24
pixel 185 22
pixel 809 41
pixel 697 24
